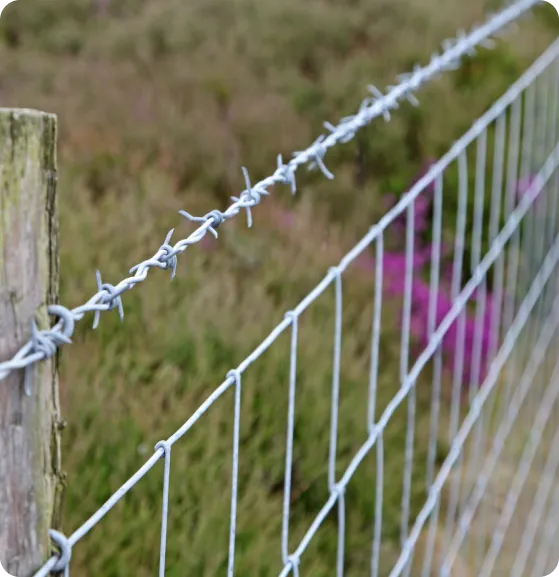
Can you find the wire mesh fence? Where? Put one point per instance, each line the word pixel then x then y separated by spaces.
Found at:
pixel 453 455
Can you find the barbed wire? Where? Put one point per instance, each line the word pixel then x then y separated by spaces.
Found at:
pixel 44 344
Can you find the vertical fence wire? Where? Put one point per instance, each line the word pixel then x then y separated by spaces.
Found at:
pixel 290 432
pixel 432 319
pixel 458 362
pixel 404 362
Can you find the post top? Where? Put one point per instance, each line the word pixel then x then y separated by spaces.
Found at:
pixel 25 112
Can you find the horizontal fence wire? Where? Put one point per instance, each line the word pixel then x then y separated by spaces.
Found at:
pixel 44 344
pixel 514 387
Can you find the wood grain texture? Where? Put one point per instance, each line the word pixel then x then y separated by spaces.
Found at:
pixel 30 478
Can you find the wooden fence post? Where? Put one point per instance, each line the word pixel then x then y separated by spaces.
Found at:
pixel 30 479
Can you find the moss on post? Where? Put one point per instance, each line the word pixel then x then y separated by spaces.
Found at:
pixel 30 477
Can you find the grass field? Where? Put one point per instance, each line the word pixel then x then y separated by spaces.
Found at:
pixel 159 105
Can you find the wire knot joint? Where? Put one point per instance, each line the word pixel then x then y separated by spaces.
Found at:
pixel 65 552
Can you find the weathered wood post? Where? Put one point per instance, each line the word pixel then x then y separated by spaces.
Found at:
pixel 29 425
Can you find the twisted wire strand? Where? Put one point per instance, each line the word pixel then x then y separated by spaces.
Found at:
pixel 43 344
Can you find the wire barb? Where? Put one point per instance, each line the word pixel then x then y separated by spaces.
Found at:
pixel 250 197
pixel 169 259
pixel 45 343
pixel 110 296
pixel 285 174
pixel 316 153
pixel 213 219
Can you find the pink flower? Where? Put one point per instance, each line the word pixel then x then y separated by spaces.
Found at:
pixel 475 344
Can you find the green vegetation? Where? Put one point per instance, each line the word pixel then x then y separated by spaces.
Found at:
pixel 159 104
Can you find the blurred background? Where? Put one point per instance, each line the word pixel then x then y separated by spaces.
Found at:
pixel 159 106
